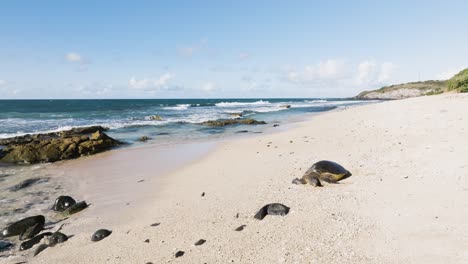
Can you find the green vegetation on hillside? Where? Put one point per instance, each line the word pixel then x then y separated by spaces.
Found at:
pixel 426 88
pixel 459 82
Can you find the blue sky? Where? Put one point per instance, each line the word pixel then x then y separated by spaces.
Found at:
pixel 205 49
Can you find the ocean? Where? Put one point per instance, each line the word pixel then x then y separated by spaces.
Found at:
pixel 129 119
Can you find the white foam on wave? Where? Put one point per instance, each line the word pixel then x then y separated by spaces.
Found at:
pixel 269 109
pixel 316 101
pixel 22 133
pixel 178 107
pixel 242 104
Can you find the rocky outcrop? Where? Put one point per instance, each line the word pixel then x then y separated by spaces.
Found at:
pixel 57 146
pixel 236 115
pixel 458 83
pixel 155 118
pixel 402 91
pixel 228 122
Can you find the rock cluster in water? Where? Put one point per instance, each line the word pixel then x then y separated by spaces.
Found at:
pixel 227 122
pixel 57 146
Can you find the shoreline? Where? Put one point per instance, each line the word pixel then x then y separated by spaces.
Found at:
pixel 385 213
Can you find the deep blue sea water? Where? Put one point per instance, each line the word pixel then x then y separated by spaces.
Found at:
pixel 129 119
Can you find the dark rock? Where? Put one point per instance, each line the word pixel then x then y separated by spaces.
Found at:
pixel 286 106
pixel 57 146
pixel 75 208
pixel 147 241
pixel 203 194
pixel 240 228
pixel 33 241
pixel 155 118
pixel 155 224
pixel 200 242
pixel 57 238
pixel 272 209
pixel 100 235
pixel 62 203
pixel 4 245
pixel 228 122
pixel 242 131
pixel 31 231
pixel 25 228
pixel 236 115
pixel 83 130
pixel 40 248
pixel 275 125
pixel 26 183
pixel 179 254
pixel 143 138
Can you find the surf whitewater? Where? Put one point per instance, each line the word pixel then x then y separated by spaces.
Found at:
pixel 159 119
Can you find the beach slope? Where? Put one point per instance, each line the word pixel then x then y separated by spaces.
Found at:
pixel 406 201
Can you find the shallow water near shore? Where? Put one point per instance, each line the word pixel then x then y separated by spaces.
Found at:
pixel 124 186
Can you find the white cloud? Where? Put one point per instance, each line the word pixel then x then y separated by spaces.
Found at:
pixel 386 72
pixel 324 70
pixel 293 76
pixel 149 84
pixel 371 73
pixel 449 73
pixel 163 80
pixel 366 70
pixel 139 84
pixel 330 68
pixel 209 87
pixel 92 89
pixel 2 82
pixel 250 84
pixel 74 57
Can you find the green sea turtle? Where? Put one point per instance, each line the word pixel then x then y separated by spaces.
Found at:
pixel 324 170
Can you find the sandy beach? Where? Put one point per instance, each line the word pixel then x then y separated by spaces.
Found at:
pixel 407 201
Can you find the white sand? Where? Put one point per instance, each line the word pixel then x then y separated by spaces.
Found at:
pixel 407 201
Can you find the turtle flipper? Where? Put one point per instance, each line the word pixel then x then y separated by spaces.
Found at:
pixel 298 181
pixel 315 182
pixel 329 177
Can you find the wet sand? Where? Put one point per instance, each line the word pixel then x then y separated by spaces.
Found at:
pixel 405 203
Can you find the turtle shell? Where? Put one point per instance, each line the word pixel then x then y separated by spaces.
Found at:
pixel 326 166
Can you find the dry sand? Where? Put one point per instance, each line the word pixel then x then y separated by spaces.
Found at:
pixel 407 201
